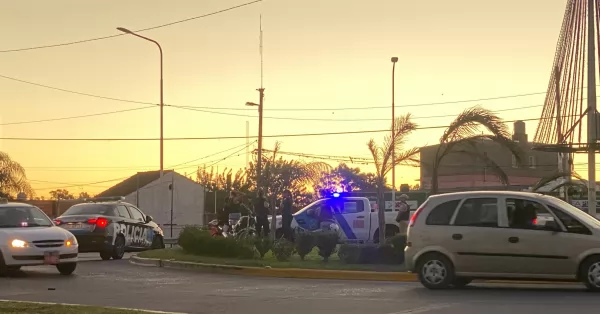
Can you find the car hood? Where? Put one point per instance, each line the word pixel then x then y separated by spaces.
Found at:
pixel 29 234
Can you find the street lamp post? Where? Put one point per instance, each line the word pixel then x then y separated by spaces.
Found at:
pixel 260 123
pixel 124 30
pixel 394 60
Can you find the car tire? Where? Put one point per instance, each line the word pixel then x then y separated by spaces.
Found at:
pixel 461 282
pixel 66 269
pixel 435 271
pixel 589 273
pixel 105 256
pixel 119 248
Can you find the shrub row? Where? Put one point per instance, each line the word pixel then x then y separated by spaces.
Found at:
pixel 391 252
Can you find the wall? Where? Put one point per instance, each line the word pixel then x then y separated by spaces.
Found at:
pixel 155 200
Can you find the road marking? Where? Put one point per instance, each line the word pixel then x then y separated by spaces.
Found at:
pixel 84 305
pixel 424 309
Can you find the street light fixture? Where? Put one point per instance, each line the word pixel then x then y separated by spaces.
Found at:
pixel 126 31
pixel 394 60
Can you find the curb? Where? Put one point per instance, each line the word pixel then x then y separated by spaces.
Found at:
pixel 277 272
pixel 85 305
pixel 302 273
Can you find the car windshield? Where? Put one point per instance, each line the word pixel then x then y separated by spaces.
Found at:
pixel 572 210
pixel 89 209
pixel 23 217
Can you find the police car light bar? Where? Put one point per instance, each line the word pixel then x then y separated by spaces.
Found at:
pixel 104 199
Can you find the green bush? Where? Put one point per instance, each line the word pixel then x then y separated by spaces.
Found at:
pixel 262 245
pixel 351 253
pixel 197 241
pixel 283 249
pixel 304 243
pixel 327 242
pixel 391 252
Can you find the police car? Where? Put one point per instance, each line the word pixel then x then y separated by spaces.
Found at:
pixel 111 227
pixel 29 238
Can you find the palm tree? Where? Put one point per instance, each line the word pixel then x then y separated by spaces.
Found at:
pixel 382 158
pixel 462 135
pixel 12 177
pixel 547 180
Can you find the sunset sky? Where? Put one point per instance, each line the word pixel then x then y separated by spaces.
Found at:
pixel 318 54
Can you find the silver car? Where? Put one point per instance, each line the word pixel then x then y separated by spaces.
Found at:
pixel 457 237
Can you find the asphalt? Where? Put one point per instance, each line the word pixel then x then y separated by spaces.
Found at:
pixel 121 284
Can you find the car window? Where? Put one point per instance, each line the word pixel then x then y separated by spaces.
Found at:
pixel 122 211
pixel 135 213
pixel 353 207
pixel 478 212
pixel 442 214
pixel 22 217
pixel 573 211
pixel 527 214
pixel 571 223
pixel 90 209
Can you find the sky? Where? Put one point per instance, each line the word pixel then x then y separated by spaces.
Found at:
pixel 332 55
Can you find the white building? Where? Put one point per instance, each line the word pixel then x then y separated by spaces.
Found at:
pixel 155 197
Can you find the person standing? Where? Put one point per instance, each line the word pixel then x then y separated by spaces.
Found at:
pixel 262 214
pixel 286 214
pixel 403 214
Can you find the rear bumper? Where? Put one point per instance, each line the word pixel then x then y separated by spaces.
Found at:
pixel 409 256
pixel 33 256
pixel 93 243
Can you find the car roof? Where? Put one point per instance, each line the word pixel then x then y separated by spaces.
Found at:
pixel 105 203
pixel 15 204
pixel 488 193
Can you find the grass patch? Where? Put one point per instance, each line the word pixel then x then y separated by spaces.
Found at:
pixel 311 261
pixel 39 308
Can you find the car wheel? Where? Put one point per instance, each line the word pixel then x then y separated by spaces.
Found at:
pixel 435 271
pixel 66 269
pixel 461 282
pixel 119 248
pixel 105 256
pixel 589 273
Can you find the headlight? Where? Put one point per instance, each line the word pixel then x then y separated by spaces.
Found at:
pixel 16 243
pixel 71 241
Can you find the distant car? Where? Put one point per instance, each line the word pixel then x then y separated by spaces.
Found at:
pixel 454 238
pixel 111 227
pixel 29 238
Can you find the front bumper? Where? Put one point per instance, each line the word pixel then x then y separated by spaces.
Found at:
pixel 31 256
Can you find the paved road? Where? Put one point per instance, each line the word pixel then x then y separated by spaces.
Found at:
pixel 118 283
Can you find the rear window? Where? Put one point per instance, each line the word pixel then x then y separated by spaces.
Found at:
pixel 442 214
pixel 90 209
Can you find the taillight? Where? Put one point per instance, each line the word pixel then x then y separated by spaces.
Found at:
pixel 100 222
pixel 535 221
pixel 414 217
pixel 57 222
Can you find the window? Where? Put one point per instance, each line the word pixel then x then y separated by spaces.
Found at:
pixel 532 162
pixel 514 161
pixel 22 217
pixel 353 207
pixel 526 214
pixel 122 211
pixel 90 209
pixel 478 212
pixel 442 214
pixel 136 214
pixel 573 225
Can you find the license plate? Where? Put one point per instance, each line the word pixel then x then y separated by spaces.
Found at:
pixel 74 226
pixel 51 258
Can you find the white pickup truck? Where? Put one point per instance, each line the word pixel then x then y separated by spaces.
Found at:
pixel 357 221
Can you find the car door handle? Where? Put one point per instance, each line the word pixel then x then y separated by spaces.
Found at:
pixel 513 239
pixel 457 236
pixel 360 217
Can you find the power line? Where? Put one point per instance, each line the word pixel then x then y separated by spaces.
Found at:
pixel 207 156
pixel 137 31
pixel 76 117
pixel 229 137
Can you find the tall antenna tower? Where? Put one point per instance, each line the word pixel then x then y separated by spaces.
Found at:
pixel 261 51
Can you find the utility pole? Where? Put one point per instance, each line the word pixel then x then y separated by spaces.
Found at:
pixel 591 113
pixel 247 143
pixel 172 188
pixel 394 60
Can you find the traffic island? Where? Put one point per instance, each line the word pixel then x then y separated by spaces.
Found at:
pixel 21 307
pixel 312 267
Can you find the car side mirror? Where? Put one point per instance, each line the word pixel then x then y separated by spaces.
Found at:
pixel 552 225
pixel 148 219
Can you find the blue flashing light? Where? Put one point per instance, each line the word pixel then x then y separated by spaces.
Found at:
pixel 336 194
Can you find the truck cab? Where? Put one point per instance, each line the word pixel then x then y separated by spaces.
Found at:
pixel 357 221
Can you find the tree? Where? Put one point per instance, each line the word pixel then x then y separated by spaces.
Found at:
pixel 61 194
pixel 345 179
pixel 382 157
pixel 462 135
pixel 83 195
pixel 573 187
pixel 294 175
pixel 12 178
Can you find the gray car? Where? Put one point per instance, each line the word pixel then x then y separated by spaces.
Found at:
pixel 457 237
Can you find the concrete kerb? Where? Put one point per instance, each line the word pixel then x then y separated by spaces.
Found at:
pixel 303 273
pixel 84 305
